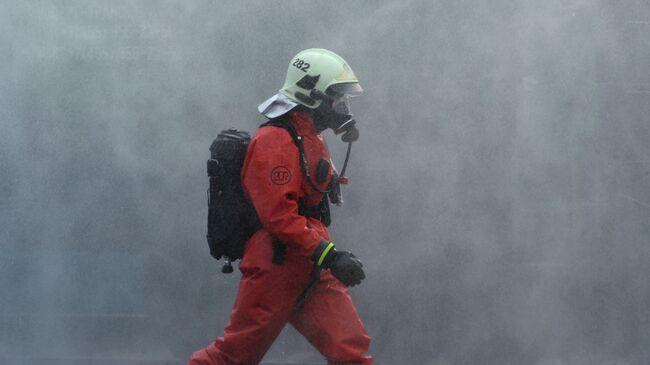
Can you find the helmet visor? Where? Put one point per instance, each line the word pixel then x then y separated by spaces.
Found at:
pixel 351 89
pixel 341 105
pixel 341 94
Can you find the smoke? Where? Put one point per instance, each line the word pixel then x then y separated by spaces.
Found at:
pixel 499 193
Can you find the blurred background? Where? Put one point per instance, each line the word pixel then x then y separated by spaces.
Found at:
pixel 499 196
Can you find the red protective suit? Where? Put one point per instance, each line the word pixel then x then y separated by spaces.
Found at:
pixel 274 182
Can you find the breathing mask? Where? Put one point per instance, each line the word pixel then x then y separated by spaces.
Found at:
pixel 334 110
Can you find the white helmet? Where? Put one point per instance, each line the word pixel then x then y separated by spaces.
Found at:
pixel 313 75
pixel 319 70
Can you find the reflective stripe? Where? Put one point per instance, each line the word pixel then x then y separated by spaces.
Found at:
pixel 325 252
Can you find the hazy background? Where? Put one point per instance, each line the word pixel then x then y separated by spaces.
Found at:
pixel 499 197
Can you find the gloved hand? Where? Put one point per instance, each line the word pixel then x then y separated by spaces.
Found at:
pixel 344 265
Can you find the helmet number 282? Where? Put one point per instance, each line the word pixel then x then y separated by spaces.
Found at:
pixel 301 65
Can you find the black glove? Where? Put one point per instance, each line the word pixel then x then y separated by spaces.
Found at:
pixel 344 265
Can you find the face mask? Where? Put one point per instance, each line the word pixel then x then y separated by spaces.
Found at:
pixel 334 113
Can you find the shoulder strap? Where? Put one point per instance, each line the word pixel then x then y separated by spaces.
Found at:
pixel 297 139
pixel 284 124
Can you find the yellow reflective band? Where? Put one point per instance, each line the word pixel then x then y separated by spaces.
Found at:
pixel 322 256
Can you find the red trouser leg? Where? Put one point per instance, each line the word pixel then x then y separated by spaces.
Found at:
pixel 266 301
pixel 329 321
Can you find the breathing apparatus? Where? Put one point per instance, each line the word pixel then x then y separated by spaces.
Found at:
pixel 334 113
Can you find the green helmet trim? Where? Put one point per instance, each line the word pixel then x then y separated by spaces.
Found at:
pixel 317 69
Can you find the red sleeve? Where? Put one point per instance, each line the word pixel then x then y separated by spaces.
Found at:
pixel 271 177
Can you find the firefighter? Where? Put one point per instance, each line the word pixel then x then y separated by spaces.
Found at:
pixel 291 270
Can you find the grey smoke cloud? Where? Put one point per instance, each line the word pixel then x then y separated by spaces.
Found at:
pixel 499 193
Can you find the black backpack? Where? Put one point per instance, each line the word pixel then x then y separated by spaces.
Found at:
pixel 232 219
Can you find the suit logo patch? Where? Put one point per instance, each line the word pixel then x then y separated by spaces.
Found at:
pixel 280 175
